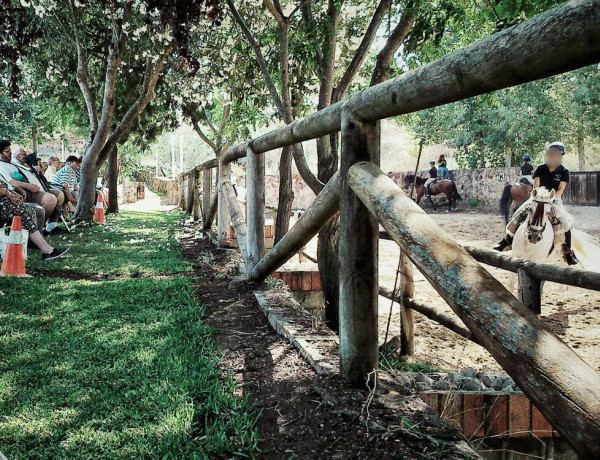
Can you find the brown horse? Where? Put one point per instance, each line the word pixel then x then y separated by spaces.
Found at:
pixel 445 186
pixel 518 193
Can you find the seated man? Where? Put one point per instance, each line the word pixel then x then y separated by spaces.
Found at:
pixel 553 176
pixel 20 179
pixel 526 171
pixel 432 177
pixel 65 179
pixel 53 166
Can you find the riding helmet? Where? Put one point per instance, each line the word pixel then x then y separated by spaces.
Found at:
pixel 526 158
pixel 558 146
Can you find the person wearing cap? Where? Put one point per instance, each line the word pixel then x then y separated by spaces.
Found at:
pixel 527 170
pixel 431 177
pixel 553 176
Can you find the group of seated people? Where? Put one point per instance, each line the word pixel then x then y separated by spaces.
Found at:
pixel 27 193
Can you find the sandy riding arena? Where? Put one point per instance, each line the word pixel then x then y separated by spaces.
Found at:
pixel 572 313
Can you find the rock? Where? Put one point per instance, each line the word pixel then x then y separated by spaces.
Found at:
pixel 442 385
pixel 471 384
pixel 453 377
pixel 469 373
pixel 486 376
pixel 422 386
pixel 497 384
pixel 422 378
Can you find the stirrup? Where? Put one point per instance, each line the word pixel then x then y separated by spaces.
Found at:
pixel 570 257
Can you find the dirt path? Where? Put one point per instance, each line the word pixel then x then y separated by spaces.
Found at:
pixel 303 415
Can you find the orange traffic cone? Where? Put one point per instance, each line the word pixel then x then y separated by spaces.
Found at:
pixel 14 255
pixel 99 212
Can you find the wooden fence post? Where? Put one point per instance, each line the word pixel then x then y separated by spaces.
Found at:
pixel 197 203
pixel 559 383
pixel 223 218
pixel 255 207
pixel 190 186
pixel 206 191
pixel 530 291
pixel 405 292
pixel 358 243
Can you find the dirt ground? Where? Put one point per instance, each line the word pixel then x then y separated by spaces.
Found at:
pixel 304 415
pixel 572 313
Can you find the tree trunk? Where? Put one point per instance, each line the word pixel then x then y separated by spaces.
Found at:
pixel 581 150
pixel 87 190
pixel 508 151
pixel 113 180
pixel 34 138
pixel 286 194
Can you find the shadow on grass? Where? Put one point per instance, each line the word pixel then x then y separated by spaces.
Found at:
pixel 114 369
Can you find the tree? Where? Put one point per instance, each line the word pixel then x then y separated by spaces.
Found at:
pixel 104 42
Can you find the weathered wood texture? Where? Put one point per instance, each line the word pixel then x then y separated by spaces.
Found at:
pixel 223 219
pixel 545 272
pixel 236 217
pixel 212 212
pixel 189 192
pixel 321 211
pixel 255 208
pixel 530 291
pixel 406 290
pixel 358 256
pixel 560 383
pixel 207 185
pixel 432 313
pixel 564 38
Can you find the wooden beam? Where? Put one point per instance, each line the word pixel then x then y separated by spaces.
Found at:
pixel 237 218
pixel 556 379
pixel 564 38
pixel 189 193
pixel 255 208
pixel 207 182
pixel 406 291
pixel 212 212
pixel 223 219
pixel 358 246
pixel 545 272
pixel 324 208
pixel 433 313
pixel 530 291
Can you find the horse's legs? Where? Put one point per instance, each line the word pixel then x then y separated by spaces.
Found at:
pixel 432 202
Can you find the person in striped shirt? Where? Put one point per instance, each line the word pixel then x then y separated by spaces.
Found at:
pixel 66 180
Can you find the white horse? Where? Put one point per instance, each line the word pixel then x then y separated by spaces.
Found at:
pixel 535 240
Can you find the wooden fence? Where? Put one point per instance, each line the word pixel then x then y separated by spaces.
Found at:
pixel 564 388
pixel 583 189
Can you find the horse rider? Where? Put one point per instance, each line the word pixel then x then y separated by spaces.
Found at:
pixel 553 176
pixel 431 177
pixel 443 167
pixel 527 171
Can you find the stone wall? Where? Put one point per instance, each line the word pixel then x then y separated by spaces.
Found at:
pixel 166 186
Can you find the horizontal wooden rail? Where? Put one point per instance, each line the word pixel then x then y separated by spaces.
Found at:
pixel 433 313
pixel 544 272
pixel 554 377
pixel 562 39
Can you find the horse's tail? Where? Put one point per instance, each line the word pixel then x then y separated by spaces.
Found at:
pixel 505 201
pixel 455 193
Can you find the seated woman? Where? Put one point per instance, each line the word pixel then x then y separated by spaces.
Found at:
pixel 10 206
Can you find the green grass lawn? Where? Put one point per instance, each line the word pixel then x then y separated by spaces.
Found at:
pixel 121 368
